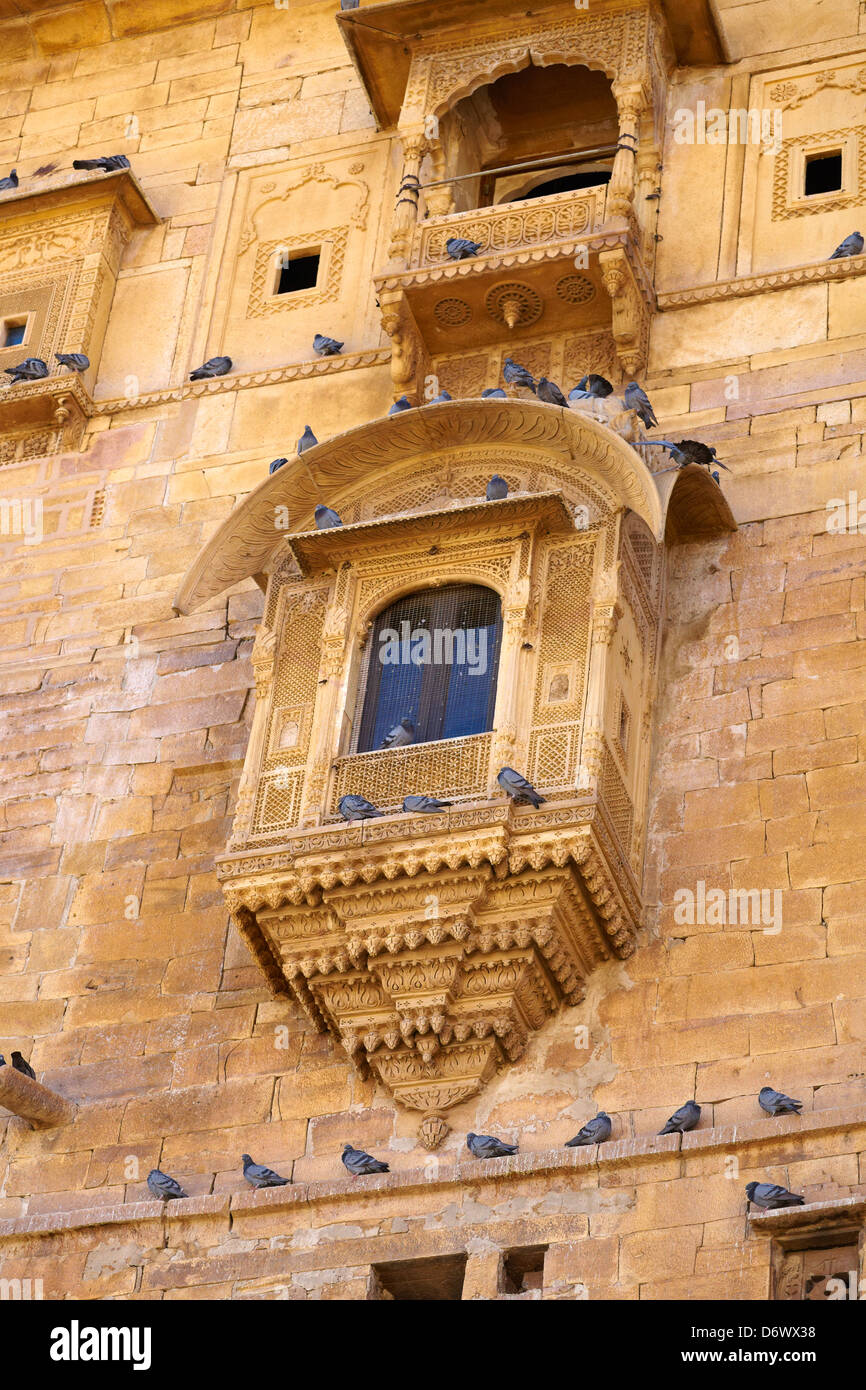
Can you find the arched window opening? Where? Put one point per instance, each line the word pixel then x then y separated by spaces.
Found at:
pixel 433 658
pixel 562 118
pixel 566 183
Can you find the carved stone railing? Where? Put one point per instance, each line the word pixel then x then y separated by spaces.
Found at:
pixel 454 768
pixel 511 227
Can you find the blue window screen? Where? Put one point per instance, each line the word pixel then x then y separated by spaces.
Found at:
pixel 434 659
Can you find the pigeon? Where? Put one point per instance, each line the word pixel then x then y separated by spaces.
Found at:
pixel 494 393
pixel 459 248
pixel 595 1131
pixel 851 246
pixel 402 404
pixel 689 451
pixel 275 464
pixel 161 1185
pixel 359 1163
pixel 549 392
pixel 25 1068
pixel 307 440
pixel 11 181
pixel 326 518
pixel 685 1118
pixel 424 803
pixel 638 401
pixel 31 369
pixel 257 1175
pixel 75 361
pixel 497 488
pixel 597 386
pixel 485 1146
pixel 515 375
pixel 518 788
pixel 348 4
pixel 401 734
pixel 438 400
pixel 770 1196
pixel 326 347
pixel 106 162
pixel 214 366
pixel 2 1060
pixel 357 808
pixel 777 1103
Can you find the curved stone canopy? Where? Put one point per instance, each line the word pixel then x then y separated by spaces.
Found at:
pixel 245 543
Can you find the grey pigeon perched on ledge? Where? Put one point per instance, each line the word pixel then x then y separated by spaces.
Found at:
pixel 326 518
pixel 638 401
pixel 326 347
pixel 685 1118
pixel 549 392
pixel 485 1146
pixel 597 386
pixel 438 400
pixel 851 246
pixel 11 181
pixel 402 404
pixel 357 808
pixel 494 393
pixel 497 488
pixel 360 1163
pixel 31 369
pixel 75 361
pixel 400 735
pixel 515 375
pixel 214 366
pixel 770 1196
pixel 164 1187
pixel 275 464
pixel 777 1103
pixel 106 162
pixel 460 248
pixel 257 1175
pixel 25 1068
pixel 348 4
pixel 424 803
pixel 518 788
pixel 595 1131
pixel 307 440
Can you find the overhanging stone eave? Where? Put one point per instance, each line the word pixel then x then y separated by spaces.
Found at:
pixel 694 505
pixel 81 187
pixel 246 542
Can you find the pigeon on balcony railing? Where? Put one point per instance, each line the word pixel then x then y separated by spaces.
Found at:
pixel 638 401
pixel 360 1164
pixel 460 248
pixel 851 246
pixel 327 518
pixel 326 347
pixel 518 788
pixel 485 1146
pixel 257 1175
pixel 214 366
pixel 441 398
pixel 275 464
pixel 595 1131
pixel 515 375
pixel 549 392
pixel 75 361
pixel 400 735
pixel 689 451
pixel 497 488
pixel 357 808
pixel 685 1118
pixel 494 393
pixel 403 403
pixel 770 1196
pixel 11 180
pixel 597 386
pixel 777 1103
pixel 31 369
pixel 348 4
pixel 106 162
pixel 307 440
pixel 421 804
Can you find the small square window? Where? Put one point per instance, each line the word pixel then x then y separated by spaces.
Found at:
pixel 297 273
pixel 438 1279
pixel 823 173
pixel 523 1270
pixel 14 332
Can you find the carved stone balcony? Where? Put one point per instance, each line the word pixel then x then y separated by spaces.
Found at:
pixel 43 417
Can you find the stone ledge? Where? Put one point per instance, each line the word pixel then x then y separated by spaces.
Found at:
pixel 596 1158
pixel 31 1101
pixel 796 1220
pixel 741 286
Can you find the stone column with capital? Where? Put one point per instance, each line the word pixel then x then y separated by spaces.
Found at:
pixel 630 100
pixel 408 196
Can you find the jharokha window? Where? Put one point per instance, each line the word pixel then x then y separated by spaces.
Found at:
pixel 432 659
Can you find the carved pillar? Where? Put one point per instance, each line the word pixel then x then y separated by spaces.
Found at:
pixel 406 210
pixel 630 102
pixel 440 200
pixel 325 733
pixel 606 613
pixel 511 663
pixel 263 656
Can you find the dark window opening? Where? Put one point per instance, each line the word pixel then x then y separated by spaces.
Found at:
pixel 437 1280
pixel 523 1269
pixel 566 183
pixel 433 659
pixel 298 273
pixel 13 332
pixel 824 173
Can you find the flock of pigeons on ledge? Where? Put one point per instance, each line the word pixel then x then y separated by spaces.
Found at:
pixel 512 783
pixel 768 1196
